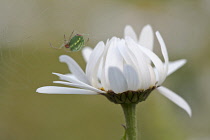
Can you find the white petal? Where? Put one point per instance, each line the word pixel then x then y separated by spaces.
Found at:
pixel 129 59
pixel 176 99
pixel 157 62
pixel 125 53
pixel 79 86
pixel 75 81
pixel 146 37
pixel 74 68
pixel 164 52
pixel 131 77
pixel 70 79
pixel 64 90
pixel 69 75
pixel 93 65
pixel 86 52
pixel 117 80
pixel 113 59
pixel 141 62
pixel 100 69
pixel 104 82
pixel 130 32
pixel 175 65
pixel 152 75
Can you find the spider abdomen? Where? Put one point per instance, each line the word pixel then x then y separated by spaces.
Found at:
pixel 76 43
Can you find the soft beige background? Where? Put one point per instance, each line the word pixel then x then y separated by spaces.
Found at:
pixel 26 63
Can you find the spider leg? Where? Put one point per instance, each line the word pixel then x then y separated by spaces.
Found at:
pixel 71 35
pixel 87 40
pixel 64 38
pixel 85 34
pixel 62 46
pixel 57 47
pixel 67 50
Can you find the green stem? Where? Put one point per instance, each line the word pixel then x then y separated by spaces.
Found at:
pixel 130 119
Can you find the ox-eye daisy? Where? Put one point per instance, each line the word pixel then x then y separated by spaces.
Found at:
pixel 124 70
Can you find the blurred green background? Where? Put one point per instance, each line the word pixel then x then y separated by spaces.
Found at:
pixel 27 61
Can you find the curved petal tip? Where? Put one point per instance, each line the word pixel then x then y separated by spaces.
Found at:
pixel 175 99
pixel 175 65
pixel 63 58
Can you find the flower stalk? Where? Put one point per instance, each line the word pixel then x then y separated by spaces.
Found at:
pixel 130 119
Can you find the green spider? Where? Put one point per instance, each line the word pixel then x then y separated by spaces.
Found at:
pixel 74 44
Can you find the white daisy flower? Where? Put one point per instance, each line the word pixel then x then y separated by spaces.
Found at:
pixel 123 70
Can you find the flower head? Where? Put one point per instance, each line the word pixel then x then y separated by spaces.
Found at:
pixel 124 70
